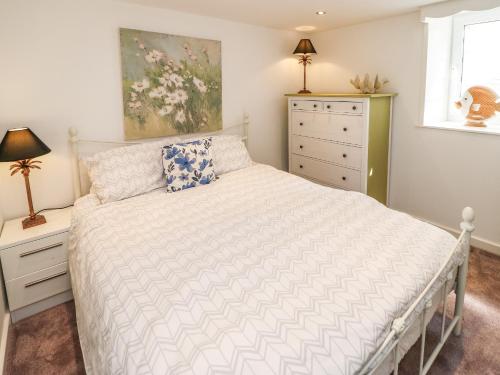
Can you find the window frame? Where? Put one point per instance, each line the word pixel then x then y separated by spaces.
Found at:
pixel 459 23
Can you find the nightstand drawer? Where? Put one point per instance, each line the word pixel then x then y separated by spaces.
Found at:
pixel 33 256
pixel 37 286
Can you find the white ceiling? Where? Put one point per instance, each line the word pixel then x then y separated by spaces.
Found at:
pixel 289 14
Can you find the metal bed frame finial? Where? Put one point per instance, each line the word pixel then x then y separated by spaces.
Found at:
pixel 468 215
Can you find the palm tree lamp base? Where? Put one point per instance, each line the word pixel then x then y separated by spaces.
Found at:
pixel 21 145
pixel 304 50
pixel 33 221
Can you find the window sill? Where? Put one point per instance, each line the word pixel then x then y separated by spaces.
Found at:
pixel 457 126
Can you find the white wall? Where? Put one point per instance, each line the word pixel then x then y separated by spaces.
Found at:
pixel 435 173
pixel 60 67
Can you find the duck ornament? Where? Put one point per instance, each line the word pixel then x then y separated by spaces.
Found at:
pixel 478 104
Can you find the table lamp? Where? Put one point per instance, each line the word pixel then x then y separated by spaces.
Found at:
pixel 21 145
pixel 305 49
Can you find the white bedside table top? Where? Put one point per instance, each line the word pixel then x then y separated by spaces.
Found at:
pixel 13 234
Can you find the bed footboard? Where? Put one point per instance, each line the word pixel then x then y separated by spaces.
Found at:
pixel 467 227
pixel 420 309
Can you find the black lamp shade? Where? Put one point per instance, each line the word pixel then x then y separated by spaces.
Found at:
pixel 20 144
pixel 305 47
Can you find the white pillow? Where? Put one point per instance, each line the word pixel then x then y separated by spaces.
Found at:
pixel 127 171
pixel 230 154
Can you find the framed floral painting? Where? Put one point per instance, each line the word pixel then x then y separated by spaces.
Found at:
pixel 171 84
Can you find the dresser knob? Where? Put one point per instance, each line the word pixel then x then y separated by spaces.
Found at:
pixel 328 106
pixel 344 155
pixel 315 105
pixel 354 107
pixel 301 123
pixel 295 104
pixel 344 178
pixel 345 129
pixel 301 147
pixel 301 166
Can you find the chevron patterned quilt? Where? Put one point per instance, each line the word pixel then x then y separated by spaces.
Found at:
pixel 261 272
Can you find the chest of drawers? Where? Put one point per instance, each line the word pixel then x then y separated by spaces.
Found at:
pixel 341 140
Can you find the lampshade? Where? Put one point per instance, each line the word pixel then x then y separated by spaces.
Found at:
pixel 304 47
pixel 20 144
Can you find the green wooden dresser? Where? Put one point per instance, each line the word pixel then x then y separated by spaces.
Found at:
pixel 342 140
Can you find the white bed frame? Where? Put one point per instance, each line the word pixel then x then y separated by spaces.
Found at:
pixel 81 148
pixel 418 314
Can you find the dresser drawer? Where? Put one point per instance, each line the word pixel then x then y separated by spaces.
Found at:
pixel 344 178
pixel 344 107
pixel 314 125
pixel 345 155
pixel 332 127
pixel 307 105
pixel 37 286
pixel 33 256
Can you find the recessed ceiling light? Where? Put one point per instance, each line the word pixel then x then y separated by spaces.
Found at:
pixel 320 12
pixel 305 28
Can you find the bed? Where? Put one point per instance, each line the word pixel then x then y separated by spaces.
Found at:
pixel 260 272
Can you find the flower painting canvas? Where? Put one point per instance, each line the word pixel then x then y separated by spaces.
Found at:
pixel 171 84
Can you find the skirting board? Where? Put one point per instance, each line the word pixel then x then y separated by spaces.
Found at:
pixel 480 243
pixel 3 340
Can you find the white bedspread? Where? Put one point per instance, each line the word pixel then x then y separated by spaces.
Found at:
pixel 261 272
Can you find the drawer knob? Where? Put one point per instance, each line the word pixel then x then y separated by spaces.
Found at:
pixel 344 178
pixel 344 155
pixel 295 104
pixel 345 129
pixel 301 147
pixel 301 123
pixel 354 107
pixel 315 105
pixel 301 166
pixel 328 106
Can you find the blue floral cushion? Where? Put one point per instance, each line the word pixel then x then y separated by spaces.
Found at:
pixel 188 164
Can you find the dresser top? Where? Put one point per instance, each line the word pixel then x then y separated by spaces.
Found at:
pixel 13 234
pixel 344 95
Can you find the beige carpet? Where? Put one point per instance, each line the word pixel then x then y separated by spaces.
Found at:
pixel 47 343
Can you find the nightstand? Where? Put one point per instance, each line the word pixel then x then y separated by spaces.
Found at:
pixel 35 264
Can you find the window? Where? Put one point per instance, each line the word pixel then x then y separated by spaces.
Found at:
pixel 475 55
pixel 462 52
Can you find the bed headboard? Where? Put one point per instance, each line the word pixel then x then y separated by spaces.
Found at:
pixel 81 148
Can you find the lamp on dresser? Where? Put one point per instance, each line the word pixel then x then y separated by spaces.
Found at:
pixel 304 49
pixel 21 145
